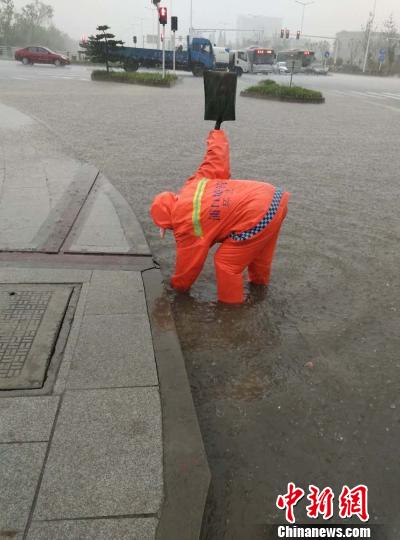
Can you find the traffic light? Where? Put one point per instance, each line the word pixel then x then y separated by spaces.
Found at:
pixel 282 33
pixel 174 24
pixel 287 33
pixel 298 34
pixel 134 40
pixel 162 15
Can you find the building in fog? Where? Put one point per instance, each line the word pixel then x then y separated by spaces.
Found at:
pixel 351 47
pixel 261 30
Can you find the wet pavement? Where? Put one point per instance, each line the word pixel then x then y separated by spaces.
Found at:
pixel 302 382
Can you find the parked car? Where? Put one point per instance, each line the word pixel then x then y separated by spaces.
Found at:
pixel 280 67
pixel 40 55
pixel 316 69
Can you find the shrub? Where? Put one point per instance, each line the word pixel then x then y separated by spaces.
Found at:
pixel 284 93
pixel 149 79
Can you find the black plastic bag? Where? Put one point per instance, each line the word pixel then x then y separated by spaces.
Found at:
pixel 220 95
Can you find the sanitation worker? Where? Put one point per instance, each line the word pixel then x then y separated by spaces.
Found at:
pixel 244 216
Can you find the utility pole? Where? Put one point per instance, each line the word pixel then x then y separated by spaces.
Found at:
pixel 370 24
pixel 191 18
pixel 304 4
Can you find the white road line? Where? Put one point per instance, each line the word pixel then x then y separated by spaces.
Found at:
pixel 363 94
pixel 337 92
pixel 391 96
pixel 376 95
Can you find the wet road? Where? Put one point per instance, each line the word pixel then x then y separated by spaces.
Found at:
pixel 302 382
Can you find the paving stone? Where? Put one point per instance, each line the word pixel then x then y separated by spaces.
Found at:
pixel 27 419
pixel 20 466
pixel 73 336
pixel 13 119
pixel 116 293
pixel 102 230
pixel 105 457
pixel 113 350
pixel 96 529
pixel 43 275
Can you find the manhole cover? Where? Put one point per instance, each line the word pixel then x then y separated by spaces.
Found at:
pixel 30 320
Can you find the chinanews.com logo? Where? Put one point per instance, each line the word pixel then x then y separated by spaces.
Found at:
pixel 351 503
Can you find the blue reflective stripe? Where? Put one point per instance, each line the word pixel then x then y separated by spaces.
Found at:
pixel 246 235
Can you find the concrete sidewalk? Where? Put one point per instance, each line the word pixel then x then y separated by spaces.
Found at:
pixel 98 433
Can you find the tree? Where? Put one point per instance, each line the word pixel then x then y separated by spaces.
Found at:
pixel 391 35
pixel 6 18
pixel 32 18
pixel 37 13
pixel 98 46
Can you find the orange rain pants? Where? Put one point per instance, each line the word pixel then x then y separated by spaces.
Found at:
pixel 256 254
pixel 210 207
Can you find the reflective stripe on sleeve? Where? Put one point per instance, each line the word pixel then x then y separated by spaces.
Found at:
pixel 197 207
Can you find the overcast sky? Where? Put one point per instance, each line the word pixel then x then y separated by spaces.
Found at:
pixel 323 17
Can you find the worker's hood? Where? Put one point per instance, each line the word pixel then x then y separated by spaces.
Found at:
pixel 162 207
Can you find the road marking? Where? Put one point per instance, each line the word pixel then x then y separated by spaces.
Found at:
pixel 376 95
pixel 363 94
pixel 391 96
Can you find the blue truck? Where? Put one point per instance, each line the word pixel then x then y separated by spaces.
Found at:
pixel 198 57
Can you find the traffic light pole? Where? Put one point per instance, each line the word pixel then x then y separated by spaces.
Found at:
pixel 163 53
pixel 173 44
pixel 291 74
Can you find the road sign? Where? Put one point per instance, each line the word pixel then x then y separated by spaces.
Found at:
pixel 327 54
pixel 382 52
pixel 381 57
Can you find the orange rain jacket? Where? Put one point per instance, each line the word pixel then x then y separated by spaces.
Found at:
pixel 208 208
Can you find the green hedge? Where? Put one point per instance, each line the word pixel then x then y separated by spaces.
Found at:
pixel 269 89
pixel 148 79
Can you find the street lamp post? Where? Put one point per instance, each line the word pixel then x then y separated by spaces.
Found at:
pixel 191 18
pixel 141 19
pixel 370 23
pixel 304 4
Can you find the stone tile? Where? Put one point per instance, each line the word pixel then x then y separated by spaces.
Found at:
pixel 68 355
pixel 95 529
pixel 27 419
pixel 113 350
pixel 43 275
pixel 105 457
pixel 13 119
pixel 102 230
pixel 20 466
pixel 116 293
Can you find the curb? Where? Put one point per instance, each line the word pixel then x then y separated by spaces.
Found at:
pixel 186 472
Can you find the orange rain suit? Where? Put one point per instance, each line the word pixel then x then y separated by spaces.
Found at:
pixel 210 207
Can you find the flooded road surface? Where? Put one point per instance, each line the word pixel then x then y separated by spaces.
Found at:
pixel 301 383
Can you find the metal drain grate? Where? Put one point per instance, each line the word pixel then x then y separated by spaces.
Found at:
pixel 30 320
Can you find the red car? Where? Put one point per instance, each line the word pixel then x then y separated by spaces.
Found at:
pixel 40 55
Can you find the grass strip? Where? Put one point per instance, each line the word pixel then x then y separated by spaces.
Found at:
pixel 148 78
pixel 269 89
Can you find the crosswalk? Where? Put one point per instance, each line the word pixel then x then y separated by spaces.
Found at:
pixel 385 95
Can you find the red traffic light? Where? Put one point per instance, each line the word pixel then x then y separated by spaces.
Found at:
pixel 162 15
